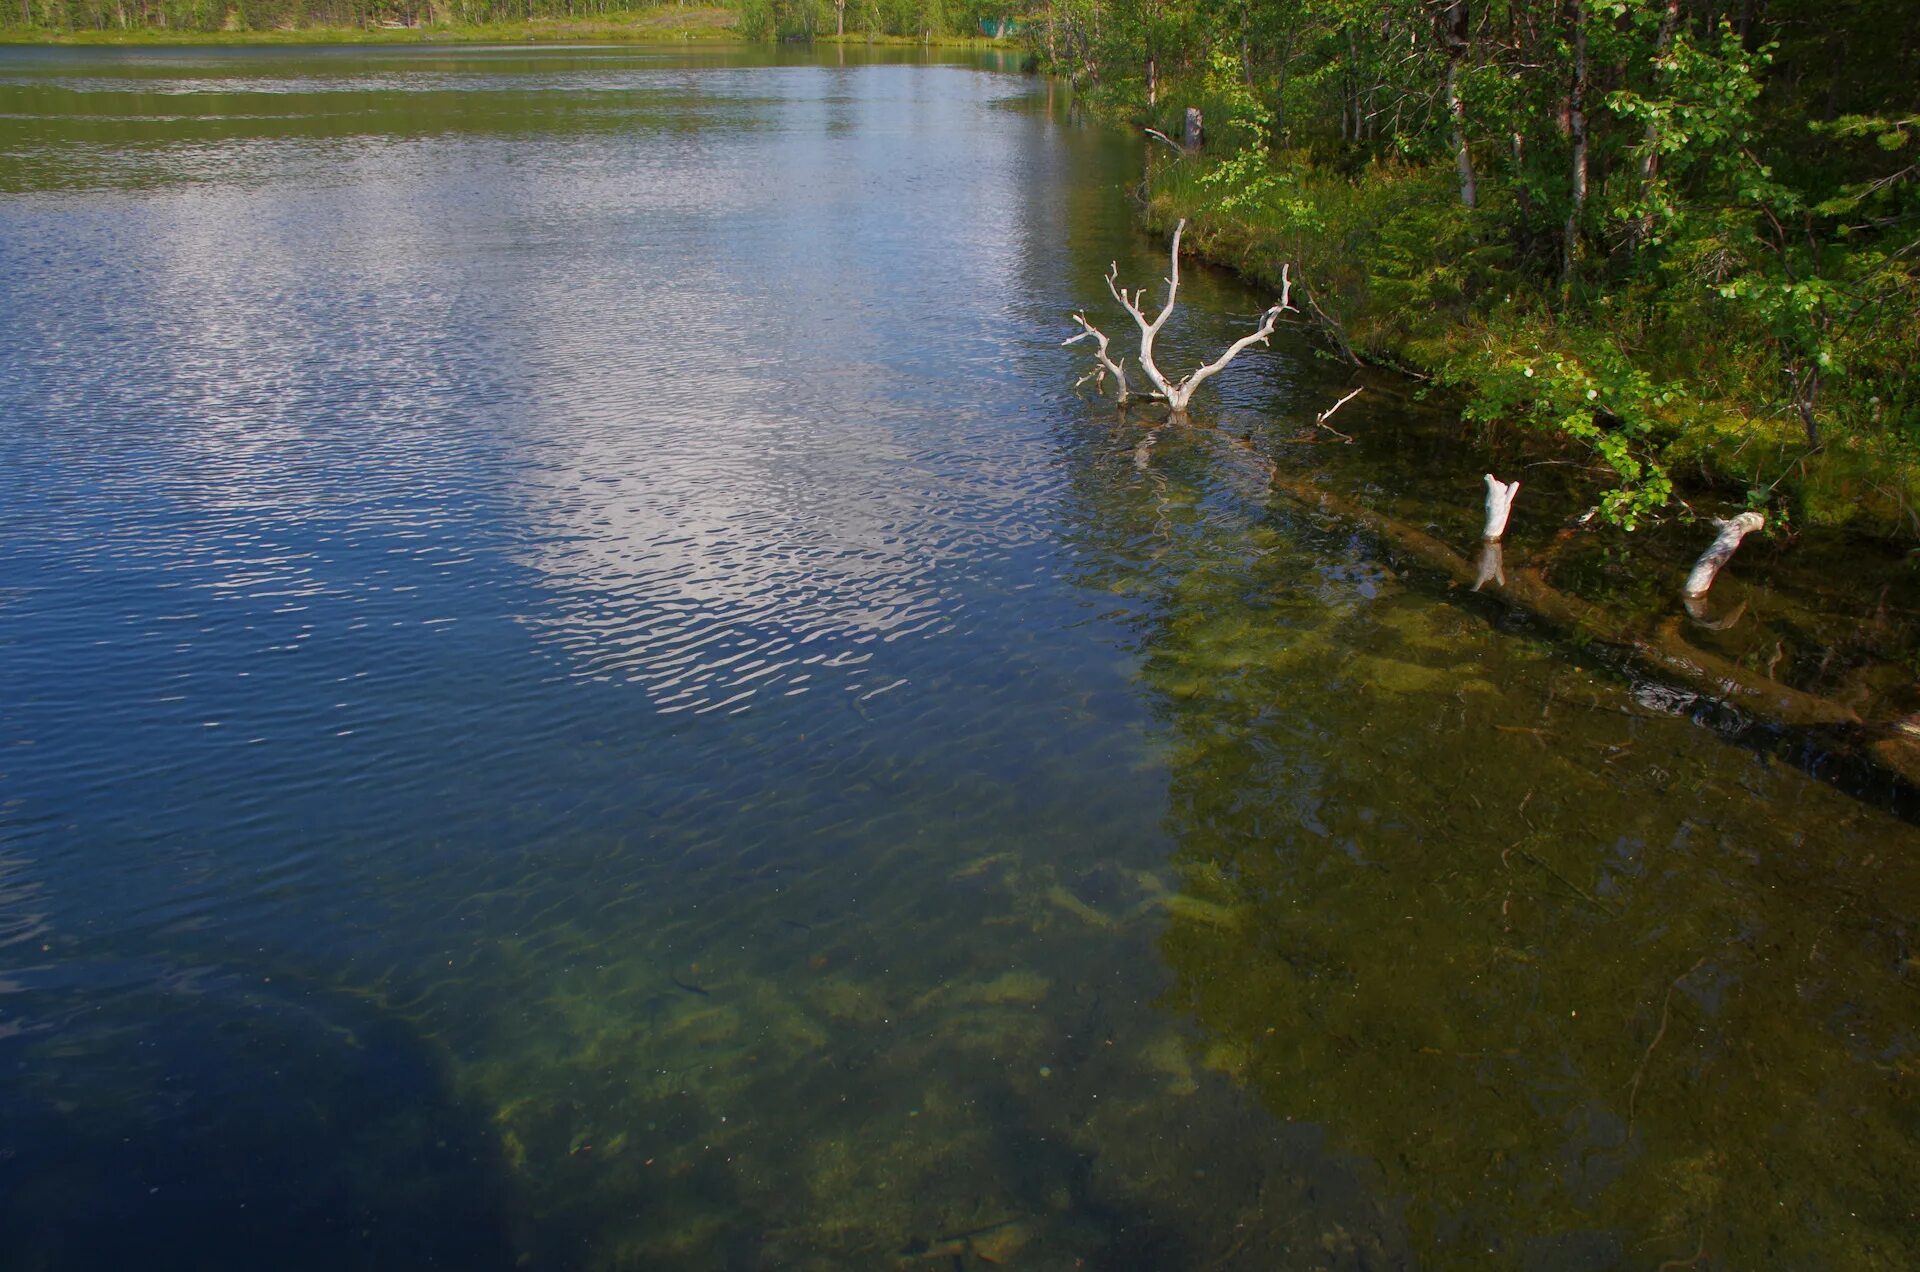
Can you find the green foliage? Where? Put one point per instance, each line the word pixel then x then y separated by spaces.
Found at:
pixel 1591 393
pixel 178 19
pixel 1246 177
pixel 1701 123
pixel 1709 278
pixel 756 19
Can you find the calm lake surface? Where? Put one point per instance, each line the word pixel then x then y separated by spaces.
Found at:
pixel 578 690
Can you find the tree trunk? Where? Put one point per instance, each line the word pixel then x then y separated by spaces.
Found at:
pixel 1456 36
pixel 1577 135
pixel 1650 159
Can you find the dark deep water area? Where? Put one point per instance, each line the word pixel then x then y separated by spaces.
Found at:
pixel 578 690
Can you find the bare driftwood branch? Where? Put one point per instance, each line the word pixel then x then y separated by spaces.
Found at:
pixel 1155 132
pixel 1104 364
pixel 1320 420
pixel 1707 568
pixel 1499 504
pixel 1178 395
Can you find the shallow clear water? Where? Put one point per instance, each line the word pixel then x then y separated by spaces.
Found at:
pixel 578 689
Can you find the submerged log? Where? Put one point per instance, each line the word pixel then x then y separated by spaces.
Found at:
pixel 1666 648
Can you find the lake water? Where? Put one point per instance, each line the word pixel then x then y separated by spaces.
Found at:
pixel 579 690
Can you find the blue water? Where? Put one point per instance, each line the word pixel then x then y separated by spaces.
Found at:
pixel 578 689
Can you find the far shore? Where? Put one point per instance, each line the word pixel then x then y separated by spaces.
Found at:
pixel 667 24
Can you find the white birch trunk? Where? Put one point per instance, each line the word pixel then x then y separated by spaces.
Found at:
pixel 1191 129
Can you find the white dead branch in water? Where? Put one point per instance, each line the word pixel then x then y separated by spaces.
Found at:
pixel 1104 363
pixel 1320 420
pixel 1178 395
pixel 1707 568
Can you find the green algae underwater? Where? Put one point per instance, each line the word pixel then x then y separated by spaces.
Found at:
pixel 895 831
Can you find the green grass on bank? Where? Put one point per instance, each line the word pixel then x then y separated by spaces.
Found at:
pixel 861 38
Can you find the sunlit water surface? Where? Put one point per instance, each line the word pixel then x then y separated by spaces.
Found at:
pixel 578 690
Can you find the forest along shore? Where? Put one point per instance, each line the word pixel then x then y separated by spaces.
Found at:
pixel 917 22
pixel 163 24
pixel 1684 241
pixel 1660 262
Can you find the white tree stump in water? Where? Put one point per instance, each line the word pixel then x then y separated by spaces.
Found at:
pixel 1499 505
pixel 1707 568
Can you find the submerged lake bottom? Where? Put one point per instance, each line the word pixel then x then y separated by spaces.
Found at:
pixel 579 689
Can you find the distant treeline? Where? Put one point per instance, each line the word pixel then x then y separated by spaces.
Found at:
pixel 758 19
pixel 1685 232
pixel 276 15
